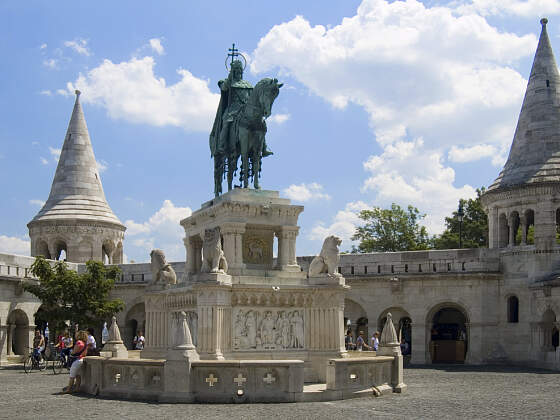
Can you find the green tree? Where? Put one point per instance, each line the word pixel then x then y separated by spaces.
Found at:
pixel 394 229
pixel 474 227
pixel 78 298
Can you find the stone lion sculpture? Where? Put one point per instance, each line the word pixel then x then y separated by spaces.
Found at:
pixel 327 261
pixel 214 260
pixel 162 272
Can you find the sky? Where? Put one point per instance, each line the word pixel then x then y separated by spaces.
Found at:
pixel 412 102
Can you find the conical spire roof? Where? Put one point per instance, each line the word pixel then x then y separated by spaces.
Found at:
pixel 534 156
pixel 76 191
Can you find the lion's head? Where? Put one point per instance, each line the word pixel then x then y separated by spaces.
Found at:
pixel 157 259
pixel 330 244
pixel 211 237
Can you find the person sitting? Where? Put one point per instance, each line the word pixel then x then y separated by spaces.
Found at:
pixel 65 344
pixel 38 345
pixel 77 360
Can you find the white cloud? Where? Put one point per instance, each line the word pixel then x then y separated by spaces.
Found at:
pixel 417 71
pixel 279 118
pixel 306 192
pixel 45 92
pixel 344 224
pixel 14 245
pixel 78 45
pixel 131 91
pixel 44 161
pixel 55 153
pixel 43 46
pixel 409 173
pixel 523 8
pixel 471 154
pixel 162 230
pixel 51 63
pixel 102 165
pixel 38 203
pixel 63 92
pixel 34 143
pixel 155 45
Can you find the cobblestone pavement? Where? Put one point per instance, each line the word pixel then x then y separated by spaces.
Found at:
pixel 444 392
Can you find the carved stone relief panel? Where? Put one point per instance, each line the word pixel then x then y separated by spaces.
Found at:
pixel 257 246
pixel 268 329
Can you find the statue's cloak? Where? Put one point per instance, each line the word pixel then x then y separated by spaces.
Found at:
pixel 217 127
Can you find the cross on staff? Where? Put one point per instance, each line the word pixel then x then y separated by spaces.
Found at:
pixel 233 52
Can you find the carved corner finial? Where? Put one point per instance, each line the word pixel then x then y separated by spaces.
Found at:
pixel 78 93
pixel 544 21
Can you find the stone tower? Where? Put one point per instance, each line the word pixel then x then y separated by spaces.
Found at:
pixel 76 218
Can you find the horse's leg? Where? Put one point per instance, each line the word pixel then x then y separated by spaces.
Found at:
pixel 218 173
pixel 244 143
pixel 258 137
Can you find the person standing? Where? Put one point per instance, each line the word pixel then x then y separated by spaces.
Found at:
pixel 375 341
pixel 139 341
pixel 361 343
pixel 91 344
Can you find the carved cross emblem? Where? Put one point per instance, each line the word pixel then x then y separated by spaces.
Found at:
pixel 117 378
pixel 240 380
pixel 269 379
pixel 211 380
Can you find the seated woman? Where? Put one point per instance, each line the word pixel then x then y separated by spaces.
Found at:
pixel 77 360
pixel 65 345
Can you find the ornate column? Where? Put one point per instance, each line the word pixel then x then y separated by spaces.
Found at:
pixel 287 248
pixel 190 265
pixel 511 223
pixel 214 321
pixel 523 222
pixel 493 228
pixel 233 244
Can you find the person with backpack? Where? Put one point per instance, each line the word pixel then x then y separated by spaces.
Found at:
pixel 76 361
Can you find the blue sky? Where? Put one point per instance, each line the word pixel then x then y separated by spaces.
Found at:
pixel 408 102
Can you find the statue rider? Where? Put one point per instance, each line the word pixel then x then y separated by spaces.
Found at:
pixel 234 95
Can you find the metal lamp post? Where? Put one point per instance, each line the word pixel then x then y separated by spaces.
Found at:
pixel 460 215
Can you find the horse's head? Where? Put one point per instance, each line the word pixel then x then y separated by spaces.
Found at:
pixel 267 90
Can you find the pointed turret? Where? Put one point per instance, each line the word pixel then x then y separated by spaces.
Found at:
pixel 76 203
pixel 534 156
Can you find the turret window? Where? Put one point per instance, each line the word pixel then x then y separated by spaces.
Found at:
pixel 513 309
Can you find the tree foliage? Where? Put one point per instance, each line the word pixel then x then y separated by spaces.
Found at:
pixel 474 227
pixel 78 298
pixel 394 229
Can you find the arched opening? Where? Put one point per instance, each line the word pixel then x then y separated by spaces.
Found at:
pixel 403 326
pixel 135 321
pixel 448 335
pixel 42 249
pixel 60 250
pixel 513 309
pixel 355 319
pixel 549 331
pixel 18 333
pixel 529 228
pixel 41 321
pixel 503 231
pixel 514 229
pixel 107 251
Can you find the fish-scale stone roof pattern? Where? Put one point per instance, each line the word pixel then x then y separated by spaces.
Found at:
pixel 76 191
pixel 534 156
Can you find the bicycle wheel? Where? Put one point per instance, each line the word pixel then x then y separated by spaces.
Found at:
pixel 41 364
pixel 28 364
pixel 58 366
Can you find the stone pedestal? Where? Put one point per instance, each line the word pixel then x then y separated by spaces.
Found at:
pixel 115 349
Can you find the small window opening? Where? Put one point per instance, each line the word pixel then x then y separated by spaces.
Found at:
pixel 365 269
pixel 548 83
pixel 392 269
pixel 352 270
pixel 448 266
pixel 406 268
pixel 419 268
pixel 339 270
pixel 378 269
pixel 463 266
pixel 513 309
pixel 434 267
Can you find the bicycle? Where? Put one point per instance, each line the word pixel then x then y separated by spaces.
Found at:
pixel 60 363
pixel 32 362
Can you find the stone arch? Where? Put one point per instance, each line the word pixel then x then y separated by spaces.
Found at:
pixel 503 231
pixel 447 332
pixel 549 330
pixel 513 309
pixel 355 318
pixel 42 248
pixel 135 320
pixel 107 251
pixel 18 332
pixel 60 249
